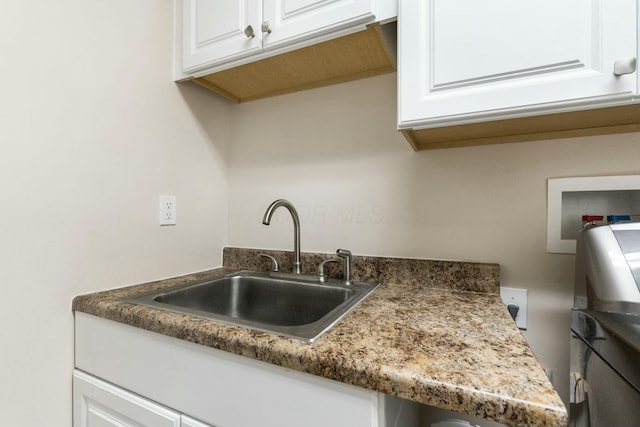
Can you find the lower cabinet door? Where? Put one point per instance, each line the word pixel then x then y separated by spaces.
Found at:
pixel 100 404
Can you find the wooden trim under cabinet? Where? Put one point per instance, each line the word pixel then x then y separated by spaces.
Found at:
pixel 351 57
pixel 597 121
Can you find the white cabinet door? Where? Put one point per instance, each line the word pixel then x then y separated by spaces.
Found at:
pixel 100 404
pixel 466 60
pixel 214 31
pixel 190 422
pixel 295 20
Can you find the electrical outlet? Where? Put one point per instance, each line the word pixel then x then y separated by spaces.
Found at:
pixel 167 210
pixel 516 297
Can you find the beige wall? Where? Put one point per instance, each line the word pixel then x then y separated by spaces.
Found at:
pixel 335 153
pixel 92 131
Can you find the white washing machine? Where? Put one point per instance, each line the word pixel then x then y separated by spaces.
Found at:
pixel 605 328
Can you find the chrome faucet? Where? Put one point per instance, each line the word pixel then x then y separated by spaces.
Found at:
pixel 266 220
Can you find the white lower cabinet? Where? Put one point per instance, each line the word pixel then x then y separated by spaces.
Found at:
pixel 99 404
pixel 215 387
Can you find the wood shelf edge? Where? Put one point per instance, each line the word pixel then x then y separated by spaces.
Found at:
pixel 590 122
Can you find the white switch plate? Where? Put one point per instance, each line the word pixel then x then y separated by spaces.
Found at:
pixel 519 298
pixel 167 210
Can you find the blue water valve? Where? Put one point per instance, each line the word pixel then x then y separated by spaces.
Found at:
pixel 617 218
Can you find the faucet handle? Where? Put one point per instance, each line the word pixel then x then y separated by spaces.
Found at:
pixel 346 260
pixel 274 262
pixel 343 253
pixel 321 276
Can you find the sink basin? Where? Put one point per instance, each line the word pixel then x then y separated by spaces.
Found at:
pixel 296 306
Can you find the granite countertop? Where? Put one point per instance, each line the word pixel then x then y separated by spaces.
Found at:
pixel 420 336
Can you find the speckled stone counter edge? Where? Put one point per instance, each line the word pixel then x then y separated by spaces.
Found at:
pixel 452 275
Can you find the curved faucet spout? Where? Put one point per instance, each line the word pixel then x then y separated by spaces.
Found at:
pixel 266 220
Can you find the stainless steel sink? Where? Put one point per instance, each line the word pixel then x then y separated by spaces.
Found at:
pixel 296 306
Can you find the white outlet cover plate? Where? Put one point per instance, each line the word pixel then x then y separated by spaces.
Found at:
pixel 518 297
pixel 167 210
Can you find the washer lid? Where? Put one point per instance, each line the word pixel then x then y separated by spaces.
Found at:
pixel 629 241
pixel 608 267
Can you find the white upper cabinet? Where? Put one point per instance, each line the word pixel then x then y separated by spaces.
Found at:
pixel 294 20
pixel 214 31
pixel 465 61
pixel 190 422
pixel 221 32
